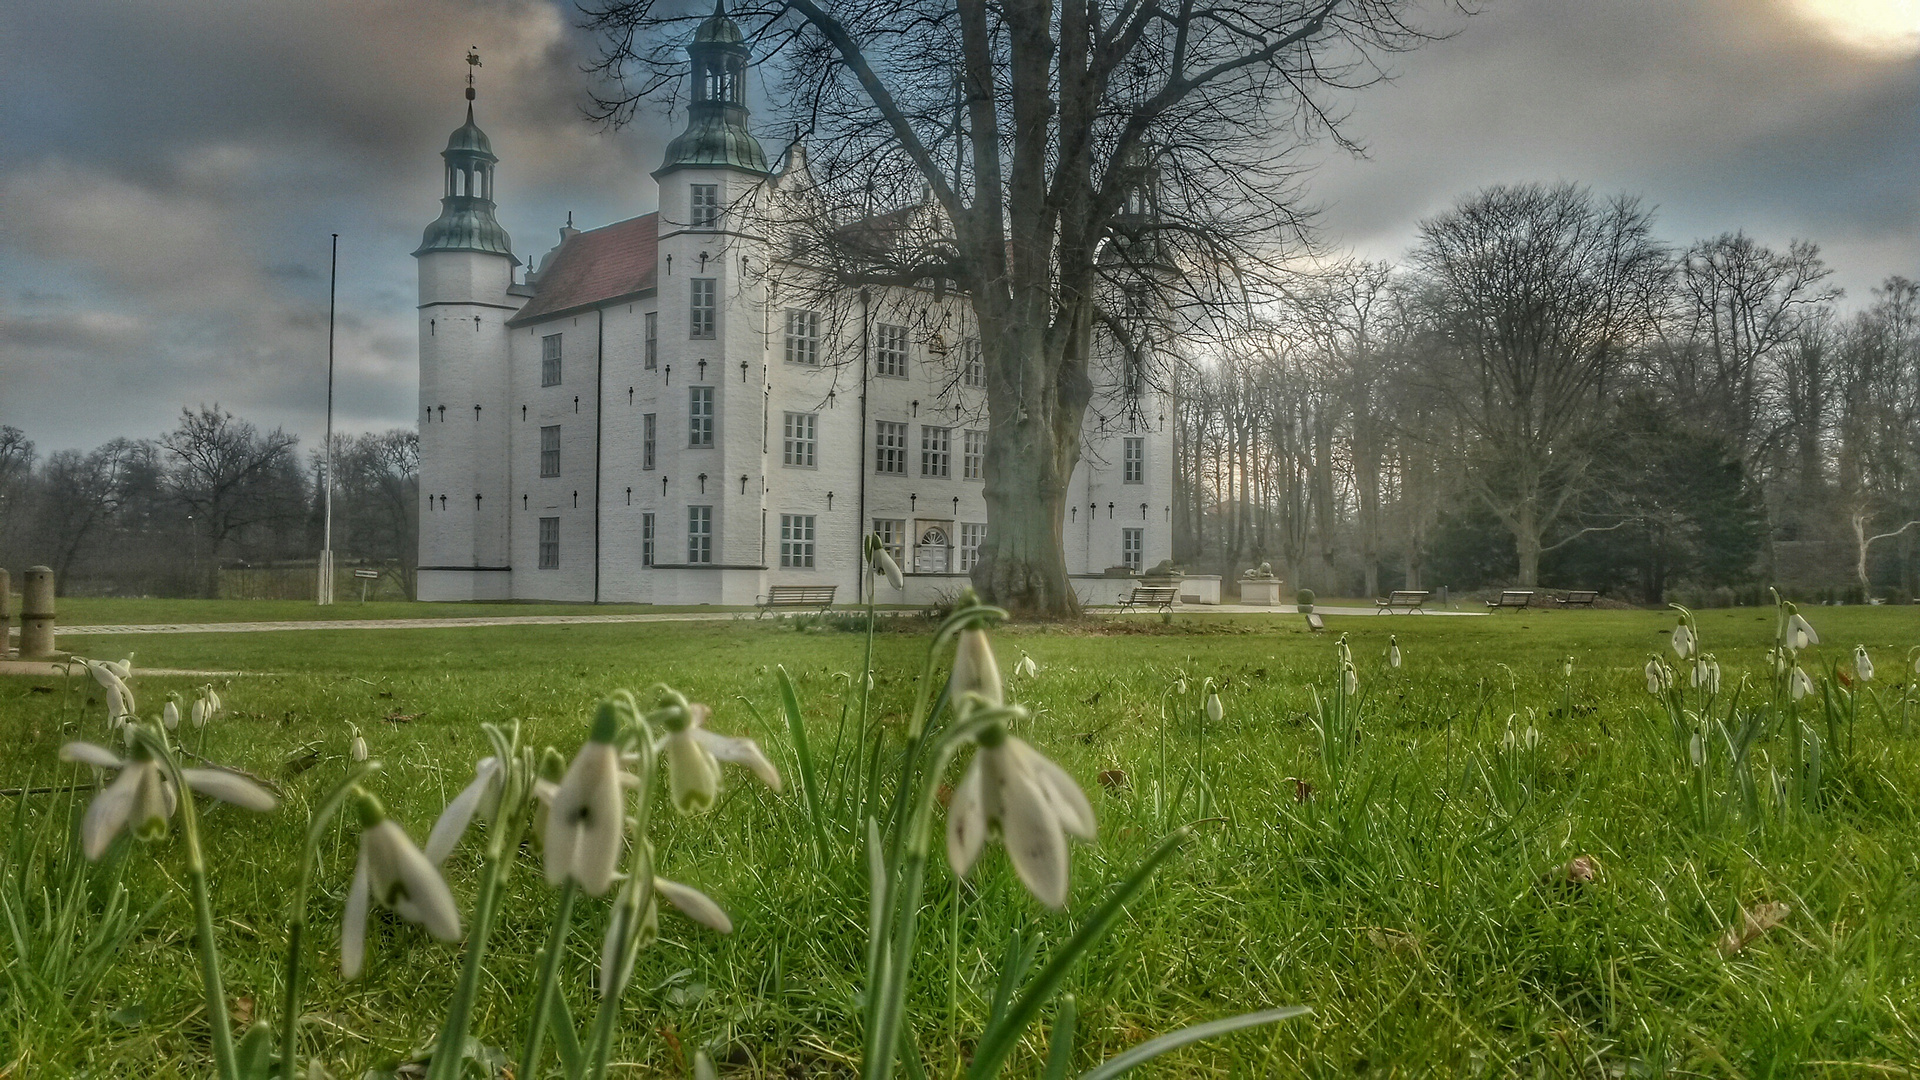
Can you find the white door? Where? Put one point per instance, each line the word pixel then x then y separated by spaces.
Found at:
pixel 930 557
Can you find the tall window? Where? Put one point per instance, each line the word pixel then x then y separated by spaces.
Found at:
pixel 890 448
pixel 700 416
pixel 699 534
pixel 890 351
pixel 653 340
pixel 973 456
pixel 935 450
pixel 550 543
pixel 700 317
pixel 646 539
pixel 973 366
pixel 803 337
pixel 796 541
pixel 893 536
pixel 1133 461
pixel 649 439
pixel 800 435
pixel 972 536
pixel 706 205
pixel 1132 545
pixel 550 450
pixel 550 360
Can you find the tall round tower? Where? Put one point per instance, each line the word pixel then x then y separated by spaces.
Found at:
pixel 466 297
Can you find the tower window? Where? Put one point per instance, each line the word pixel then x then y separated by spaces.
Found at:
pixel 1134 461
pixel 973 456
pixel 796 541
pixel 803 337
pixel 893 536
pixel 550 360
pixel 700 319
pixel 700 416
pixel 646 539
pixel 699 534
pixel 801 431
pixel 550 450
pixel 706 206
pixel 973 535
pixel 549 543
pixel 935 445
pixel 648 433
pixel 890 352
pixel 653 340
pixel 890 448
pixel 973 366
pixel 1132 548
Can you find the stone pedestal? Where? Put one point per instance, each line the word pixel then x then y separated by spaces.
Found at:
pixel 1262 591
pixel 36 613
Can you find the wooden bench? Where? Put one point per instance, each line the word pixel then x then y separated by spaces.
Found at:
pixel 1405 600
pixel 1579 598
pixel 816 597
pixel 1158 599
pixel 1512 598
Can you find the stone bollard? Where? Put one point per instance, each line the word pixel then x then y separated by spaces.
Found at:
pixel 36 613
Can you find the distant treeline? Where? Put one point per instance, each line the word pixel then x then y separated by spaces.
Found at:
pixel 216 500
pixel 1545 393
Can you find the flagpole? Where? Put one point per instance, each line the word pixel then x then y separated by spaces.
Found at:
pixel 324 590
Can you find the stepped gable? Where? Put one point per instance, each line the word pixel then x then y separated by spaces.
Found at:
pixel 610 263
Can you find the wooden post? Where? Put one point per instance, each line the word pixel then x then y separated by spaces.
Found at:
pixel 36 613
pixel 6 612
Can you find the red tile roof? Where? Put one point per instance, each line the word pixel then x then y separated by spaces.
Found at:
pixel 595 266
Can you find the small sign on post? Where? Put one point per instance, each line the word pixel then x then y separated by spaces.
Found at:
pixel 365 576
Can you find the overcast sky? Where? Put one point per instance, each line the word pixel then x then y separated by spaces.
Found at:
pixel 170 169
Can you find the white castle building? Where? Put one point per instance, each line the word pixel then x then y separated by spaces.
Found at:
pixel 658 414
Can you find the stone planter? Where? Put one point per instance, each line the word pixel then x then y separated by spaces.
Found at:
pixel 1264 592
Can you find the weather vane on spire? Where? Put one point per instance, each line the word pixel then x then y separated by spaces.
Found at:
pixel 473 61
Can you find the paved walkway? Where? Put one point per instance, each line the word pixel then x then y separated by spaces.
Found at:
pixel 590 620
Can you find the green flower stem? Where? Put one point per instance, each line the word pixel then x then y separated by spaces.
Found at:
pixel 549 974
pixel 631 910
pixel 297 918
pixel 503 842
pixel 223 1057
pixel 912 845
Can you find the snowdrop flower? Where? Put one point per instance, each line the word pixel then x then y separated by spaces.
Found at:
pixel 120 702
pixel 882 561
pixel 1697 750
pixel 141 799
pixel 1031 801
pixel 1657 678
pixel 481 797
pixel 1351 679
pixel 587 812
pixel 1214 709
pixel 1566 668
pixel 974 670
pixel 1862 663
pixel 1026 668
pixel 170 716
pixel 357 750
pixel 1393 651
pixel 694 755
pixel 1800 633
pixel 1798 684
pixel 393 872
pixel 1706 673
pixel 693 903
pixel 1684 644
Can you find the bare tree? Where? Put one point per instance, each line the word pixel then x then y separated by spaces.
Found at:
pixel 230 476
pixel 1878 467
pixel 1536 294
pixel 1077 156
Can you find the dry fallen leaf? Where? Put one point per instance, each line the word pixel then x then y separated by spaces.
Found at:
pixel 1113 778
pixel 1754 923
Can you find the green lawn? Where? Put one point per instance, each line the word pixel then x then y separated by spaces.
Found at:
pixel 1402 899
